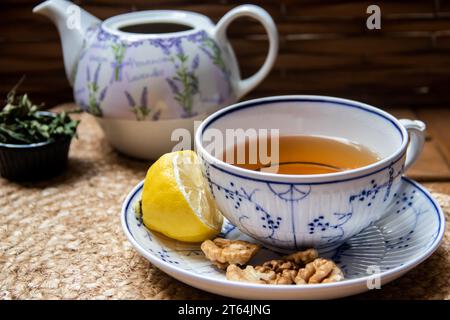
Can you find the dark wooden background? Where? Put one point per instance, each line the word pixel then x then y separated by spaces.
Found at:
pixel 325 48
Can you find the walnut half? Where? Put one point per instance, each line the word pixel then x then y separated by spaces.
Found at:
pixel 224 252
pixel 260 274
pixel 303 257
pixel 249 274
pixel 285 271
pixel 319 271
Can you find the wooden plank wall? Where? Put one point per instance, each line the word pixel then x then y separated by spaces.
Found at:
pixel 325 48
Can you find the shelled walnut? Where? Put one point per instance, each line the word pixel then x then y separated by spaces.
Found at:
pixel 303 257
pixel 303 267
pixel 260 274
pixel 249 274
pixel 319 271
pixel 286 271
pixel 224 252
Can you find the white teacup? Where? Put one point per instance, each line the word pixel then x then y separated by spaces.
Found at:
pixel 321 210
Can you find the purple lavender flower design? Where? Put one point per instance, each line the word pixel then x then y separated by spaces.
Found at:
pixel 97 73
pixel 197 37
pixel 88 74
pixel 103 94
pixel 167 44
pixel 102 36
pixel 144 97
pixel 207 53
pixel 135 44
pixel 93 105
pixel 195 62
pixel 83 52
pixel 130 99
pixel 212 51
pixel 178 47
pixel 184 84
pixel 141 111
pixel 173 86
pixel 160 43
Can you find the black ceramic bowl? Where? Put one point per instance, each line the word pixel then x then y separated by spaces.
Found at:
pixel 36 161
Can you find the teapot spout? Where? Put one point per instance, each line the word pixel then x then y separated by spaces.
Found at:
pixel 72 23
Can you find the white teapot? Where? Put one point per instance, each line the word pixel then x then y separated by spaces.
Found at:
pixel 145 74
pixel 153 65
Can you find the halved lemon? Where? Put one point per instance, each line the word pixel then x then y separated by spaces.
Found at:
pixel 176 200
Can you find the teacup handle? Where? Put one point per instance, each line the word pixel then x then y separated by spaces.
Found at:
pixel 416 131
pixel 245 85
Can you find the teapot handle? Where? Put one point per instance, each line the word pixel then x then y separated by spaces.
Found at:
pixel 258 13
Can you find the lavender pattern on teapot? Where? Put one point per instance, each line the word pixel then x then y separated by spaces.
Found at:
pixel 140 110
pixel 96 96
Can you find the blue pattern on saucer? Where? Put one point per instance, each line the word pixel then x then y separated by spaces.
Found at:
pixel 407 231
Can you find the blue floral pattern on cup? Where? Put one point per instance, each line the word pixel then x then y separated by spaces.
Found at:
pixel 328 228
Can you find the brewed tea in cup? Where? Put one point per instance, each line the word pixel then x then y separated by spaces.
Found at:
pixel 301 154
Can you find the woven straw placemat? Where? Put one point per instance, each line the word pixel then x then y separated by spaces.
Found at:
pixel 62 239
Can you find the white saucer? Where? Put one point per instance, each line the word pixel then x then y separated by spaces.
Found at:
pixel 409 233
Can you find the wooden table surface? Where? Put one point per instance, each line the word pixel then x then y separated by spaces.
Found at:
pixel 62 239
pixel 434 163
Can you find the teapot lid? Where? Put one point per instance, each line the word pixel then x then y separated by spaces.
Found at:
pixel 191 20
